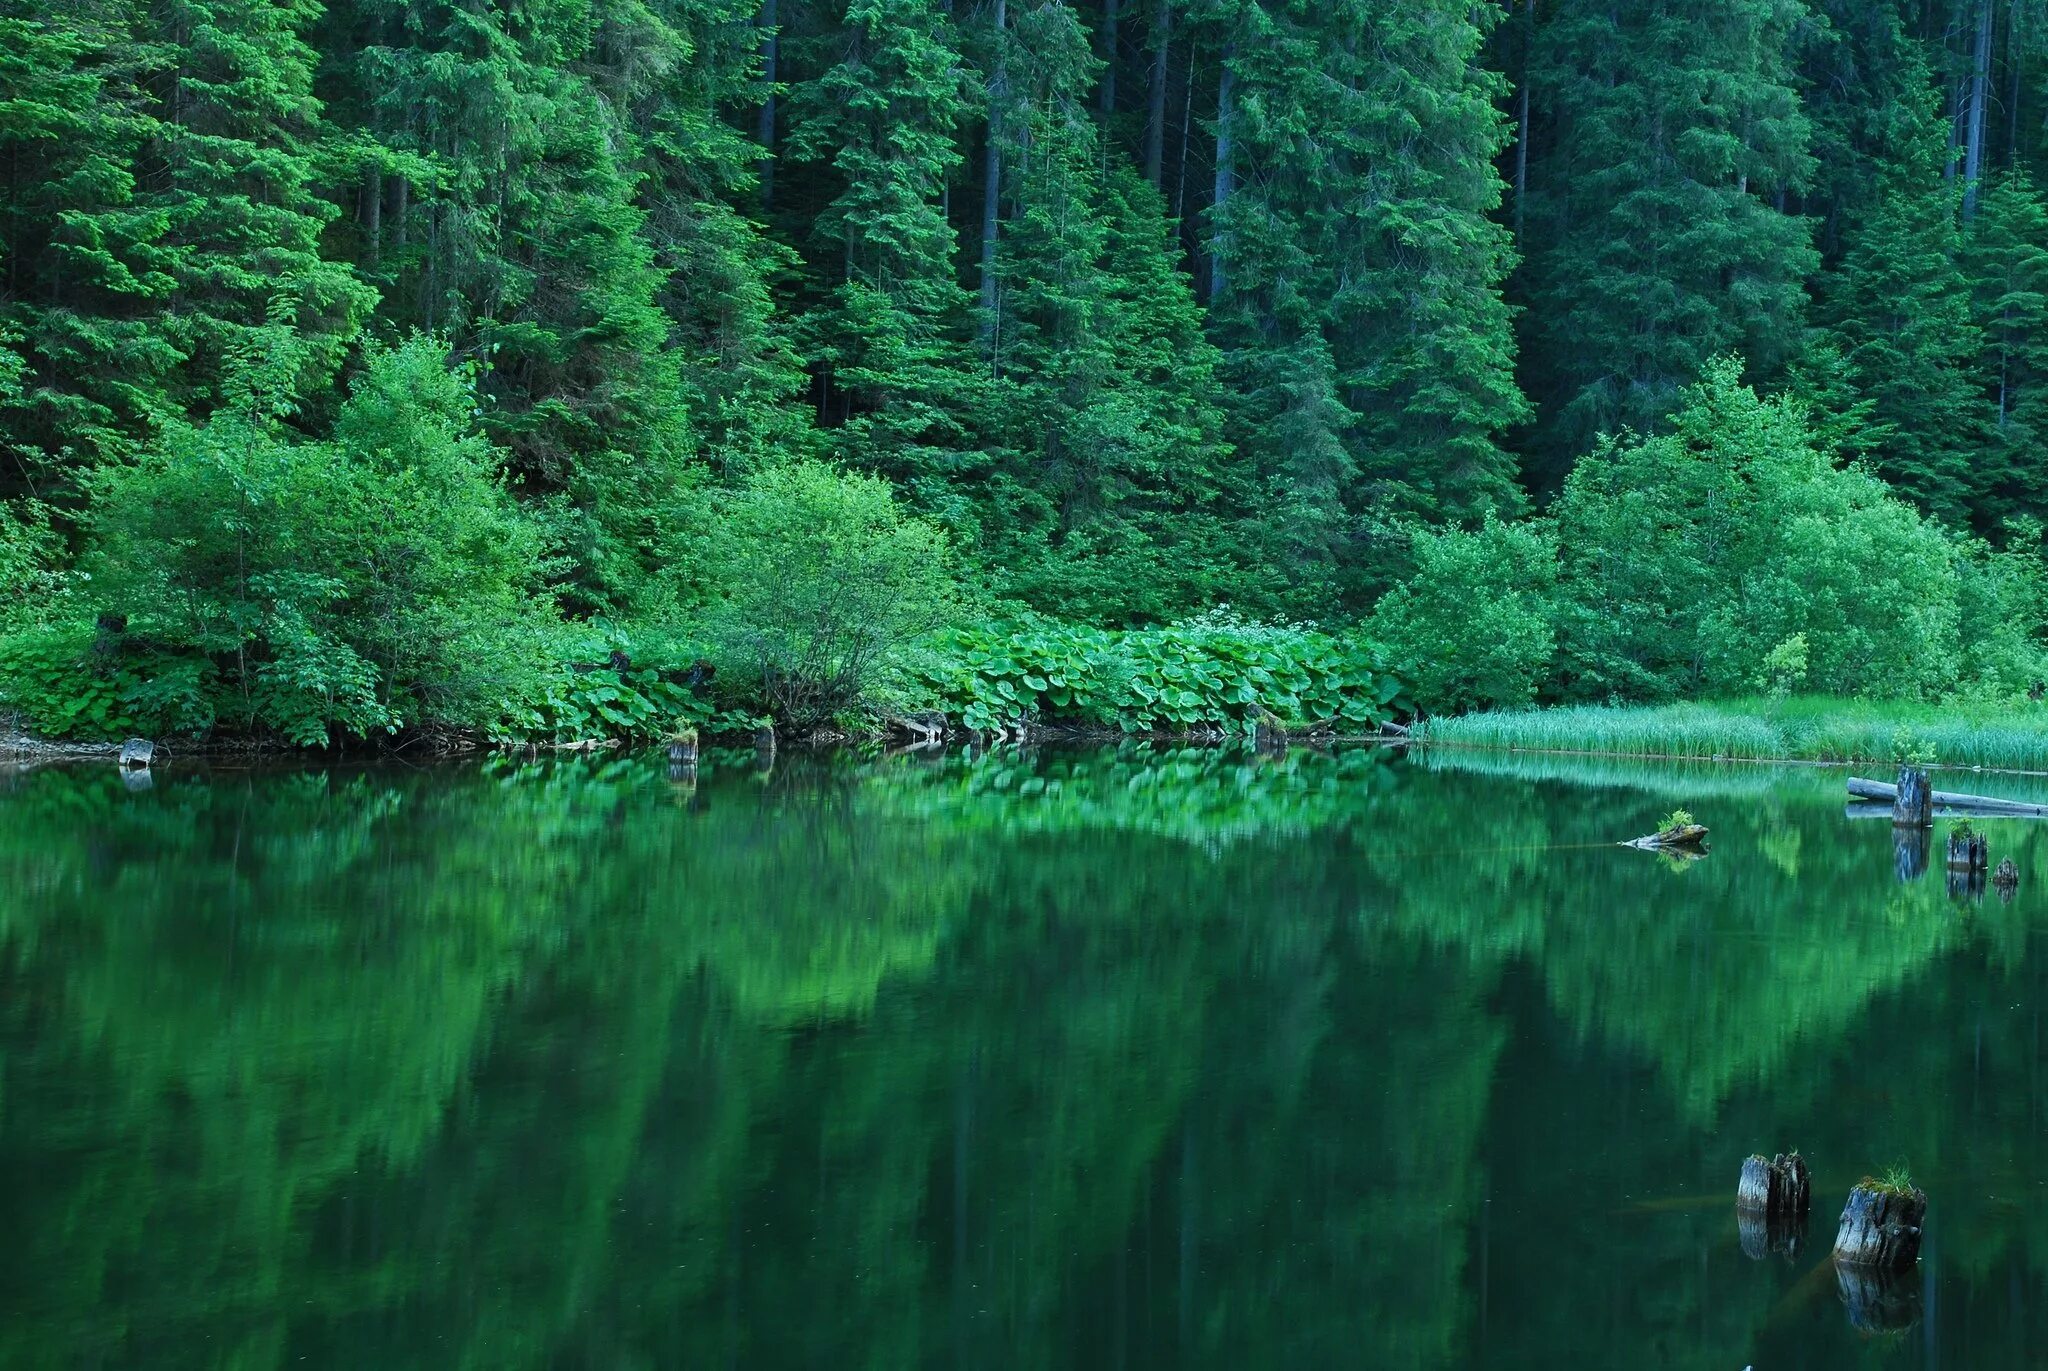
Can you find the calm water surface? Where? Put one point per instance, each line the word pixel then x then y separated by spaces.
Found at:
pixel 1103 1060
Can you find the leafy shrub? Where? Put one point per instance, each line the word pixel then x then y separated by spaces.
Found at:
pixel 30 582
pixel 378 580
pixel 821 582
pixel 1210 672
pixel 1474 625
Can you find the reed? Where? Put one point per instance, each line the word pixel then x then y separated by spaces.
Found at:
pixel 1798 728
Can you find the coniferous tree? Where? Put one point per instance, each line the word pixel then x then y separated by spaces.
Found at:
pixel 2006 257
pixel 1900 319
pixel 161 205
pixel 506 213
pixel 888 339
pixel 1655 243
pixel 1105 386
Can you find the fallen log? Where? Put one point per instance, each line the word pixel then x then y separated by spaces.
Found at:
pixel 1878 809
pixel 1690 838
pixel 1862 789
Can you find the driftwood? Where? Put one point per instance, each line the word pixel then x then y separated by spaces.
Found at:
pixel 924 730
pixel 137 753
pixel 1881 1226
pixel 1686 838
pixel 1984 805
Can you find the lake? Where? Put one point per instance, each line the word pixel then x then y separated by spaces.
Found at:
pixel 1130 1058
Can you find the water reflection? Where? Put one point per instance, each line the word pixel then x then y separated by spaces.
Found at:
pixel 1115 1059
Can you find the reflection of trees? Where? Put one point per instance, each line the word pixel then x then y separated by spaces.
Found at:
pixel 1203 1060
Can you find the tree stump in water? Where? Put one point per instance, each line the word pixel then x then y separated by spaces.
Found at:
pixel 1881 1226
pixel 137 752
pixel 1968 852
pixel 1775 1185
pixel 2006 878
pixel 683 752
pixel 1913 806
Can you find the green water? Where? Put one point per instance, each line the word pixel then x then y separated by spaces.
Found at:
pixel 1099 1060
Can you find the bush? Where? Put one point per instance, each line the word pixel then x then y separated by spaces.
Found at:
pixel 1473 625
pixel 820 582
pixel 378 580
pixel 30 583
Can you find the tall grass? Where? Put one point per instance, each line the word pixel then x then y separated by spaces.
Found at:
pixel 1800 728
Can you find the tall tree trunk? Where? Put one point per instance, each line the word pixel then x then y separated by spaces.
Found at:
pixel 1226 89
pixel 1109 22
pixel 2015 53
pixel 1155 97
pixel 373 216
pixel 764 122
pixel 992 180
pixel 1522 120
pixel 1980 82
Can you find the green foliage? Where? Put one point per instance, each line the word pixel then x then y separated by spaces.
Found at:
pixel 1212 673
pixel 1690 558
pixel 820 581
pixel 1473 625
pixel 1655 244
pixel 1677 818
pixel 377 581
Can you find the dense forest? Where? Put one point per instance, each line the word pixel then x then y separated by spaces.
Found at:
pixel 367 364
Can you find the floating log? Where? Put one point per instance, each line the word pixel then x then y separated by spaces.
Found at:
pixel 1985 805
pixel 1881 1226
pixel 137 753
pixel 1775 1185
pixel 1690 838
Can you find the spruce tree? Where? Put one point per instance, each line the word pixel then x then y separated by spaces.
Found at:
pixel 163 203
pixel 506 209
pixel 1672 131
pixel 1106 394
pixel 2006 258
pixel 1900 318
pixel 878 125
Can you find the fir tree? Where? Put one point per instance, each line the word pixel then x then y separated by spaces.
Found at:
pixel 1673 129
pixel 2006 257
pixel 1900 318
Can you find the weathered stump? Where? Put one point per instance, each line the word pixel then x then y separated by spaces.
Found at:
pixel 1777 1185
pixel 1968 852
pixel 138 753
pixel 1881 1226
pixel 1964 884
pixel 1913 805
pixel 2007 877
pixel 683 774
pixel 1878 1301
pixel 682 752
pixel 1911 848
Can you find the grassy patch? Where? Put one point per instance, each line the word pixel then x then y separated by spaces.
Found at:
pixel 1801 728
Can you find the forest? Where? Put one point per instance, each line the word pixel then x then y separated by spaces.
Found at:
pixel 589 367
